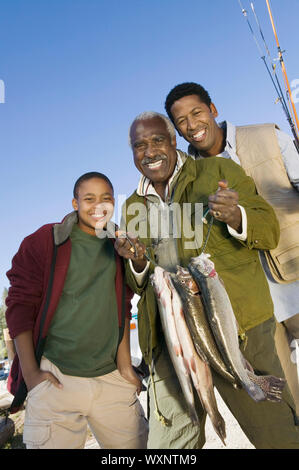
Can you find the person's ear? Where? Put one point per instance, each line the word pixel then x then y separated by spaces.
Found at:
pixel 213 110
pixel 173 141
pixel 75 204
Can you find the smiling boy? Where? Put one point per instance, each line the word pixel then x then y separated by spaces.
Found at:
pixel 68 312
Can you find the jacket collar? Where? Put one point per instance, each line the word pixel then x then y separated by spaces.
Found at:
pixel 186 174
pixel 63 229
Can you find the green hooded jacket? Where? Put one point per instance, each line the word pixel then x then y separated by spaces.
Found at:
pixel 236 262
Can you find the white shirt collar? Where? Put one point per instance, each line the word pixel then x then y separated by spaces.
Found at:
pixel 230 136
pixel 230 143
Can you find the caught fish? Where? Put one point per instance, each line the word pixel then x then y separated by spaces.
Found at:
pixel 224 326
pixel 164 300
pixel 200 370
pixel 198 324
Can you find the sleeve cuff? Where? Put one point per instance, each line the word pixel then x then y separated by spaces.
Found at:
pixel 243 235
pixel 139 276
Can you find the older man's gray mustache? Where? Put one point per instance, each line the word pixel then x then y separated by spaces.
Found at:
pixel 156 158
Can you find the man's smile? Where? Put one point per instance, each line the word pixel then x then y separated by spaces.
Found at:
pixel 156 165
pixel 199 136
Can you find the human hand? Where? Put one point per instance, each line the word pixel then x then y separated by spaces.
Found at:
pixel 131 247
pixel 224 206
pixel 130 376
pixel 39 376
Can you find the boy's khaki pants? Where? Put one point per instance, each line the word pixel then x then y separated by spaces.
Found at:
pixel 57 418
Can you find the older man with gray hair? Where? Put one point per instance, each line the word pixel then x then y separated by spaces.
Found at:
pixel 244 223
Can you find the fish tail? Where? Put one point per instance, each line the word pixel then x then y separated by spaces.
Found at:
pixel 220 429
pixel 215 416
pixel 209 403
pixel 271 386
pixel 219 426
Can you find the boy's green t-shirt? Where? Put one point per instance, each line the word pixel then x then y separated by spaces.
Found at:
pixel 83 335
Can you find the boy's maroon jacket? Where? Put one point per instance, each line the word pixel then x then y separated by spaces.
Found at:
pixel 37 279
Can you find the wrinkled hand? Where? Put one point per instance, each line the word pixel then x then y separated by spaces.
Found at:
pixel 224 206
pixel 127 251
pixel 40 376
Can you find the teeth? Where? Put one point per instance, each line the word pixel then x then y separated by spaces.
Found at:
pixel 154 165
pixel 199 134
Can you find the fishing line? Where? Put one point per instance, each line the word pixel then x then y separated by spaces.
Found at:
pixel 260 29
pixel 208 235
pixel 146 255
pixel 277 87
pixel 284 104
pixel 281 61
pixel 249 25
pixel 280 97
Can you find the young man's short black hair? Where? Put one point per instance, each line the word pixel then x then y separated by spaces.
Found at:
pixel 185 89
pixel 88 176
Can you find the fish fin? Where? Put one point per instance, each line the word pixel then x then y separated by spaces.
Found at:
pixel 201 354
pixel 187 365
pixel 178 350
pixel 271 386
pixel 193 416
pixel 193 365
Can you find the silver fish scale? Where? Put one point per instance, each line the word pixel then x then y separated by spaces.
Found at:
pixel 216 305
pixel 224 327
pixel 200 329
pixel 163 296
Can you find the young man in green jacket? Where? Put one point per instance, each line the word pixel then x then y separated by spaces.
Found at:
pixel 243 224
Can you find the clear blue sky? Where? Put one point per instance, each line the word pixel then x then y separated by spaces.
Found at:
pixel 77 72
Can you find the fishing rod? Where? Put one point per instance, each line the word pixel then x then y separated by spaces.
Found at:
pixel 281 61
pixel 287 108
pixel 283 102
pixel 263 57
pixel 276 85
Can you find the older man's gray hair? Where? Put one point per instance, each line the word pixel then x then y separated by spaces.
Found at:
pixel 150 115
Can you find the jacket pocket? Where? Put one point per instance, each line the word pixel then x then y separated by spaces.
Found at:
pixel 233 258
pixel 36 434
